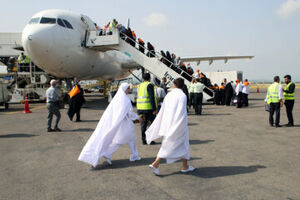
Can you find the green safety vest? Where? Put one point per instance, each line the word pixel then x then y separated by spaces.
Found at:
pixel 27 60
pixel 143 101
pixel 288 96
pixel 273 93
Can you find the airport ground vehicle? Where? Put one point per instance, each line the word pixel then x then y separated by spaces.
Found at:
pixel 114 85
pixel 5 95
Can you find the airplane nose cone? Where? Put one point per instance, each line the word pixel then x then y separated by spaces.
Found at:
pixel 36 41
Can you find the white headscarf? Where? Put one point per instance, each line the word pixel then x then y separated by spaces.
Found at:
pixel 107 127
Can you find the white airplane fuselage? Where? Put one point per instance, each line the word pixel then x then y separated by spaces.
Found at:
pixel 58 49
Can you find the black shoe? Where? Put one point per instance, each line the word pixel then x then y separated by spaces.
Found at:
pixel 152 143
pixel 271 125
pixel 277 126
pixel 78 120
pixel 50 130
pixel 144 142
pixel 289 125
pixel 57 129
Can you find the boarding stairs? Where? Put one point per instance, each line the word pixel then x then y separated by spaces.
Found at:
pixel 118 41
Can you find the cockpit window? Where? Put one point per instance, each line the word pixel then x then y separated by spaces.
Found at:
pixel 60 22
pixel 47 20
pixel 34 20
pixel 67 24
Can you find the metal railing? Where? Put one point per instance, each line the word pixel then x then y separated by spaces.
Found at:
pixel 158 55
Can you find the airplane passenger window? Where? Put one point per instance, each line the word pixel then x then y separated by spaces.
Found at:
pixel 67 24
pixel 60 22
pixel 47 20
pixel 34 20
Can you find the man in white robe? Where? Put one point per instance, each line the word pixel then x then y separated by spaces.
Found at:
pixel 114 129
pixel 171 123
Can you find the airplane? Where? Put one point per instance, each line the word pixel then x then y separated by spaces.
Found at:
pixel 54 40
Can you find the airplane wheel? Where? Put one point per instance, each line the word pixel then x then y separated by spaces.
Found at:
pixel 6 106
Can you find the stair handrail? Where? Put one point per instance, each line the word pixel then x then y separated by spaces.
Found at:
pixel 116 31
pixel 156 55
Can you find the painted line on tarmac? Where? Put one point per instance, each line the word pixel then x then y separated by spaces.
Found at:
pixel 16 112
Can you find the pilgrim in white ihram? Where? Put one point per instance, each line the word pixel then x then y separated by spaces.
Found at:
pixel 115 128
pixel 171 123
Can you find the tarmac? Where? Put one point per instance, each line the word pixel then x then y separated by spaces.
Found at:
pixel 237 155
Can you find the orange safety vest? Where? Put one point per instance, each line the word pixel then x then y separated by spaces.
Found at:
pixel 74 91
pixel 133 34
pixel 222 87
pixel 246 83
pixel 141 41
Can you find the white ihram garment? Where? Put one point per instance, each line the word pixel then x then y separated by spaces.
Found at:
pixel 114 129
pixel 171 123
pixel 245 89
pixel 238 88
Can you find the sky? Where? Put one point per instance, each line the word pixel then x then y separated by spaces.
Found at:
pixel 266 29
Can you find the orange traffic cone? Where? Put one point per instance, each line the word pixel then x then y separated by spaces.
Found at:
pixel 257 90
pixel 26 108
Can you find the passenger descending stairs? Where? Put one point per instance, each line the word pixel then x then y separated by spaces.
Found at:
pixel 151 64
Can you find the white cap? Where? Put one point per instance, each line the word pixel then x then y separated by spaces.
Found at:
pixel 53 81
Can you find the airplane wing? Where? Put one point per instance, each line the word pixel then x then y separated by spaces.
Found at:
pixel 211 59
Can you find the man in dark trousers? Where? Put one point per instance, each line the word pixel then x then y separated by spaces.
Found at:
pixel 146 104
pixel 76 101
pixel 228 92
pixel 198 96
pixel 289 98
pixel 274 100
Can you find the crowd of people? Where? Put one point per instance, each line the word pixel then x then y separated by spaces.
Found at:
pixel 232 94
pixel 129 35
pixel 116 127
pixel 162 113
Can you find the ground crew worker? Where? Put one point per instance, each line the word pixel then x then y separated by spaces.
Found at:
pixel 141 45
pixel 192 93
pixel 274 100
pixel 21 60
pixel 198 96
pixel 289 98
pixel 245 92
pixel 146 104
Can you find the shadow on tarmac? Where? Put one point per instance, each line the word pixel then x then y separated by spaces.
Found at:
pixel 96 104
pixel 80 130
pixel 192 124
pixel 200 141
pixel 221 171
pixel 125 163
pixel 215 114
pixel 91 120
pixel 18 135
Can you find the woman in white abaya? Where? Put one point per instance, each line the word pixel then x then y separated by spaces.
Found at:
pixel 114 129
pixel 171 123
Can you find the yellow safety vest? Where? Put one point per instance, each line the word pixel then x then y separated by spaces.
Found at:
pixel 288 96
pixel 27 60
pixel 143 100
pixel 273 93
